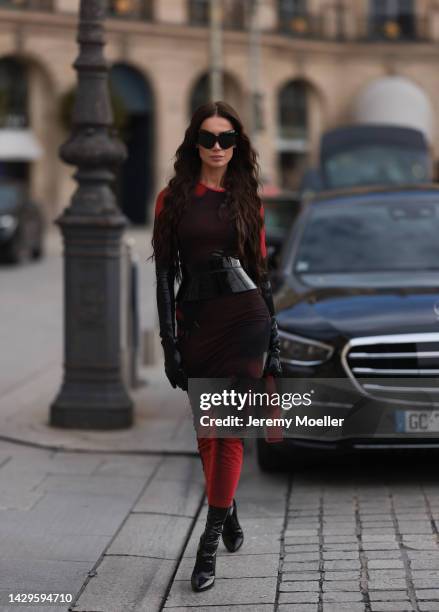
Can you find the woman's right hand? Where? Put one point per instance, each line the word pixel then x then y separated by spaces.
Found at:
pixel 173 367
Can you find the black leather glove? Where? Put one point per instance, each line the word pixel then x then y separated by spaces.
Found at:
pixel 272 364
pixel 173 366
pixel 165 275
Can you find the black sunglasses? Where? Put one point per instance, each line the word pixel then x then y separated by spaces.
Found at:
pixel 226 139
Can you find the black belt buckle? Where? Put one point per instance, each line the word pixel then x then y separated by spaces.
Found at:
pixel 221 275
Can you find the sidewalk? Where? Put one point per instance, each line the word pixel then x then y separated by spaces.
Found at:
pixel 162 418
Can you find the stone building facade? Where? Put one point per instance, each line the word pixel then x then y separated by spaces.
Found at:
pixel 316 59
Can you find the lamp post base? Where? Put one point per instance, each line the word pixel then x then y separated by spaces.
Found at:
pixel 88 408
pixel 93 394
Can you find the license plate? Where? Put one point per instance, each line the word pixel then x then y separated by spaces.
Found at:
pixel 417 421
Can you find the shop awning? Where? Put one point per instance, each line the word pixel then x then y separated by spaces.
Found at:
pixel 19 145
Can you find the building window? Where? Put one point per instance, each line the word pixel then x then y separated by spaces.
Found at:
pixel 293 111
pixel 392 19
pixel 234 14
pixel 292 133
pixel 35 5
pixel 293 17
pixel 199 12
pixel 131 9
pixel 13 94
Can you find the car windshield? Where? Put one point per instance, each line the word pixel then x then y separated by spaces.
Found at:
pixel 354 236
pixel 375 165
pixel 8 196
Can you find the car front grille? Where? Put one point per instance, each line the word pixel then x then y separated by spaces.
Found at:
pixel 400 368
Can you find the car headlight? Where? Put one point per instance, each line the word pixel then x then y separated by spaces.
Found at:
pixel 8 222
pixel 297 350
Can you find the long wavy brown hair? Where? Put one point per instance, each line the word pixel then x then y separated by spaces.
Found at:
pixel 241 182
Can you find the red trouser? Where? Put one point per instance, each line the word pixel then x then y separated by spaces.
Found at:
pixel 222 462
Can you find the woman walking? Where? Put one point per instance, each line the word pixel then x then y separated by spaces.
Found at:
pixel 209 235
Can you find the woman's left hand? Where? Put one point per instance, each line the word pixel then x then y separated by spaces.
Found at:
pixel 273 365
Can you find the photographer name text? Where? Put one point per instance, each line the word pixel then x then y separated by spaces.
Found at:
pixel 299 421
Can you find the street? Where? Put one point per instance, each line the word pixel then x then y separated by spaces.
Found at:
pixel 113 518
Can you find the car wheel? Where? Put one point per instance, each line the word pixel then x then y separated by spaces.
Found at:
pixel 268 459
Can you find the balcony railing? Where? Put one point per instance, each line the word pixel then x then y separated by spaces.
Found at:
pixel 339 24
pixel 31 5
pixel 336 22
pixel 404 28
pixel 303 26
pixel 126 9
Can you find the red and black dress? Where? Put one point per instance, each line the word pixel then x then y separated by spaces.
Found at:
pixel 219 337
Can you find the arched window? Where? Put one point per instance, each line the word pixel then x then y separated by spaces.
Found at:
pixel 13 93
pixel 134 181
pixel 198 12
pixel 293 110
pixel 392 19
pixel 200 94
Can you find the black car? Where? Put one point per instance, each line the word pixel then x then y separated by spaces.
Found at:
pixel 21 224
pixel 357 302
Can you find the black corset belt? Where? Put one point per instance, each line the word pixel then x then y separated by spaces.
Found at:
pixel 221 275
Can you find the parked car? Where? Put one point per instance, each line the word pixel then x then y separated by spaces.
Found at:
pixel 21 224
pixel 280 211
pixel 358 300
pixel 352 156
pixel 369 154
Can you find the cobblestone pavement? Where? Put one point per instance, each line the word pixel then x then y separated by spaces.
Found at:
pixel 354 539
pixel 361 541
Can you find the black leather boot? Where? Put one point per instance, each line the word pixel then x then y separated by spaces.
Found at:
pixel 203 575
pixel 233 536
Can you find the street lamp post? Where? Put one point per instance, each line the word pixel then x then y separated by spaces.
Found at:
pixel 340 10
pixel 216 85
pixel 255 99
pixel 92 395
